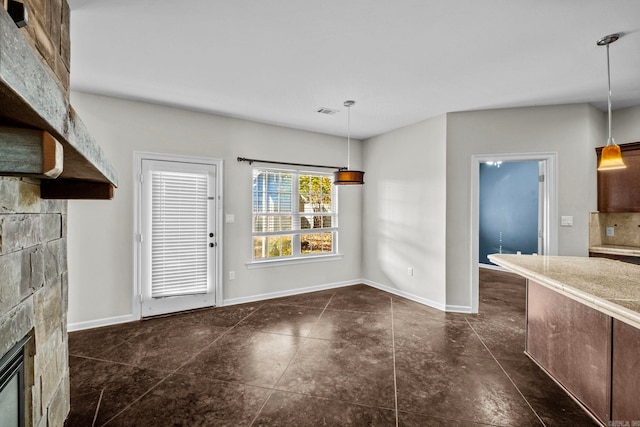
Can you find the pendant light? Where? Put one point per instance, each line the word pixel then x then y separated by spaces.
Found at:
pixel 347 176
pixel 611 157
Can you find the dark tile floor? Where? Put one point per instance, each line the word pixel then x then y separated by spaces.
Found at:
pixel 353 356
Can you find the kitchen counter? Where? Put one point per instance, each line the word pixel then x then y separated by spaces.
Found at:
pixel 583 329
pixel 616 250
pixel 611 287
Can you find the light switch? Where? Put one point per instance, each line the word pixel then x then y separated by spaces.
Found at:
pixel 230 218
pixel 566 221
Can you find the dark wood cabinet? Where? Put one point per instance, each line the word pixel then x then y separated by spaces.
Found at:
pixel 592 355
pixel 625 386
pixel 624 258
pixel 619 189
pixel 572 342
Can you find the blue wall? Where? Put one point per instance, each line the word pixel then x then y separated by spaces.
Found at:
pixel 508 209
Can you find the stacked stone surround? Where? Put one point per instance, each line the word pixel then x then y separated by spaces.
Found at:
pixel 33 294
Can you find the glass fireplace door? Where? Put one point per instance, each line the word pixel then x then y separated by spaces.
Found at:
pixel 12 386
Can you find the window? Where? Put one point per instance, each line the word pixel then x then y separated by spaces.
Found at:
pixel 294 214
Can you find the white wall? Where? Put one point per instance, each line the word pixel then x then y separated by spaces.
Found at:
pixel 598 136
pixel 404 210
pixel 100 233
pixel 626 125
pixel 414 210
pixel 417 202
pixel 570 130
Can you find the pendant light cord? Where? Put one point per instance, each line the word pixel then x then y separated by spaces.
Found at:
pixel 610 139
pixel 349 104
pixel 349 136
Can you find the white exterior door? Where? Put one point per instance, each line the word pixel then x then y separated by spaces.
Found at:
pixel 178 236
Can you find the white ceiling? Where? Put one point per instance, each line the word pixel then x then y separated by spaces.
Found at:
pixel 277 61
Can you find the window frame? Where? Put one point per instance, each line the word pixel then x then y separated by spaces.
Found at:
pixel 296 230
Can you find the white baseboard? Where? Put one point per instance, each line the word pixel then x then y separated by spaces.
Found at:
pixel 290 292
pixel 458 309
pixel 421 300
pixel 407 295
pixel 90 324
pixel 107 321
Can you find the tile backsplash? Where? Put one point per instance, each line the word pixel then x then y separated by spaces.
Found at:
pixel 626 227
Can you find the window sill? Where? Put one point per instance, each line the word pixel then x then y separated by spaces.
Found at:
pixel 290 261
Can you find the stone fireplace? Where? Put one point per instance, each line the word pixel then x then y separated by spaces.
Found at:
pixel 33 295
pixel 47 156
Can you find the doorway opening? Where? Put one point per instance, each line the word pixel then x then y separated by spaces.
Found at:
pixel 509 220
pixel 178 233
pixel 510 216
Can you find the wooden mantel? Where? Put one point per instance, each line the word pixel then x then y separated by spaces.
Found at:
pixel 31 98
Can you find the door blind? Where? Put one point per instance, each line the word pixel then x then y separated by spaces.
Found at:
pixel 178 234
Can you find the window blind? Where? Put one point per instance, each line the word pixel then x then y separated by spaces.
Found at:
pixel 178 234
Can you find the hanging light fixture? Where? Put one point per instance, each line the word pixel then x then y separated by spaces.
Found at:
pixel 611 157
pixel 347 176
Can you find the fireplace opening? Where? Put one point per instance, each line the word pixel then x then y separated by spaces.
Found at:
pixel 12 386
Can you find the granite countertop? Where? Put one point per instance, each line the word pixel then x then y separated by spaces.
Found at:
pixel 609 286
pixel 616 250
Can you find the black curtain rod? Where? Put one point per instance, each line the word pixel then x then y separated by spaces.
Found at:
pixel 252 161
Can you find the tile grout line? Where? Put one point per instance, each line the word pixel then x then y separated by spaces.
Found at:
pixel 330 309
pixel 108 350
pixel 288 363
pixel 393 348
pixel 115 362
pixel 95 415
pixel 505 372
pixel 179 367
pixel 133 337
pixel 138 399
pixel 329 399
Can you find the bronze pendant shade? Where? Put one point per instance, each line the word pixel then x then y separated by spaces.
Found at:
pixel 346 176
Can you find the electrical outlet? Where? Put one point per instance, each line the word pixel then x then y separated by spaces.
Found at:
pixel 230 218
pixel 611 231
pixel 232 275
pixel 410 271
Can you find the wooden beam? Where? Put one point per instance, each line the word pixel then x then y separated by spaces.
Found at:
pixel 31 97
pixel 30 152
pixel 73 189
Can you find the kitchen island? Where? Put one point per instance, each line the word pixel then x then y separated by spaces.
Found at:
pixel 583 329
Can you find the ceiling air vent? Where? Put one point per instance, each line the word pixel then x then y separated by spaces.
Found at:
pixel 325 110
